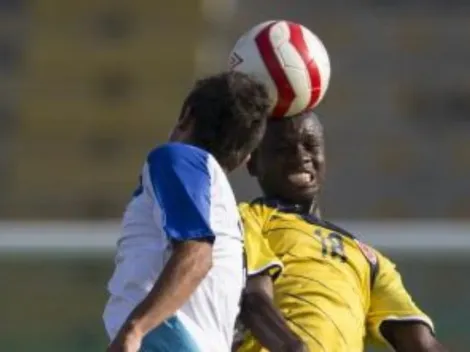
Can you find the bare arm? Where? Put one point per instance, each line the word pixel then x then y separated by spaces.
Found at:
pixel 188 265
pixel 260 315
pixel 393 317
pixel 410 337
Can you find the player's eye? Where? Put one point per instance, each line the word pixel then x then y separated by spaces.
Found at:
pixel 281 147
pixel 312 146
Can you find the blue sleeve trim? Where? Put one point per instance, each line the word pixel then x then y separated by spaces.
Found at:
pixel 181 182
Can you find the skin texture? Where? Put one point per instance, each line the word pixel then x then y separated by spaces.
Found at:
pixel 290 165
pixel 290 162
pixel 267 323
pixel 411 337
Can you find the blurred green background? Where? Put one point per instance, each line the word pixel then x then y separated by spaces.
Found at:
pixel 87 87
pixel 55 304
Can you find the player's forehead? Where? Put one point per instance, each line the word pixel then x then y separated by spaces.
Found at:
pixel 293 129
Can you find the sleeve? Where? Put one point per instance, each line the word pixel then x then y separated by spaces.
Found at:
pixel 390 301
pixel 260 257
pixel 180 180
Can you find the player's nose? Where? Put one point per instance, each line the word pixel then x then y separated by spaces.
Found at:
pixel 302 155
pixel 300 159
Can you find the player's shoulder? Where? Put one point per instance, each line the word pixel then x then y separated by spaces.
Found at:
pixel 177 152
pixel 257 211
pixel 183 158
pixel 260 206
pixel 177 166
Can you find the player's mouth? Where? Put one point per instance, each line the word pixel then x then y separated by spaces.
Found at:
pixel 302 179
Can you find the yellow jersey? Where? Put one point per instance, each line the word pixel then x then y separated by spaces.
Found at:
pixel 334 291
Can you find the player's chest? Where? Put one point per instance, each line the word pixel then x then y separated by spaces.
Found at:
pixel 312 245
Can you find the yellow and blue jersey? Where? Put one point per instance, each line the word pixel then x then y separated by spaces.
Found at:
pixel 334 291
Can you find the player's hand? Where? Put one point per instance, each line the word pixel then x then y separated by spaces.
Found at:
pixel 126 341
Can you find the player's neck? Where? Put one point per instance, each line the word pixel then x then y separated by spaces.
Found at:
pixel 311 208
pixel 308 208
pixel 315 210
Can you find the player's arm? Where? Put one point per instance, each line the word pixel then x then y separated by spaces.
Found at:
pixel 258 311
pixel 411 337
pixel 394 319
pixel 265 321
pixel 181 184
pixel 188 265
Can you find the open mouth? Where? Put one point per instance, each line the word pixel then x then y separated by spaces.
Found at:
pixel 301 178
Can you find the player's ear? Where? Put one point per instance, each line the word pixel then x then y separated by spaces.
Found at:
pixel 185 117
pixel 246 160
pixel 183 127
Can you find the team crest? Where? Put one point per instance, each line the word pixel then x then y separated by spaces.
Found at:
pixel 235 60
pixel 368 252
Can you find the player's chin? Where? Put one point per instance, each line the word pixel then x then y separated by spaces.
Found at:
pixel 301 193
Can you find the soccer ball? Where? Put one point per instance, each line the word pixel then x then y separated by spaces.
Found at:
pixel 289 60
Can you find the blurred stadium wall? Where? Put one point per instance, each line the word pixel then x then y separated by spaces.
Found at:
pixel 87 87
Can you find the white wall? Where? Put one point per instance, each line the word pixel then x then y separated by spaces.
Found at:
pixel 404 237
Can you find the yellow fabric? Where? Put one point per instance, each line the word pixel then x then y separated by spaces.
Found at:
pixel 390 301
pixel 325 289
pixel 260 257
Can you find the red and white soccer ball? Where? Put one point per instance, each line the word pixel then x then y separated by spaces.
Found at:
pixel 289 60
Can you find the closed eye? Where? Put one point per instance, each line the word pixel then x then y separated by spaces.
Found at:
pixel 312 146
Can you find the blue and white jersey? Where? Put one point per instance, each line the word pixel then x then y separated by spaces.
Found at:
pixel 183 194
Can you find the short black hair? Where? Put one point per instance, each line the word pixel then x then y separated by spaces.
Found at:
pixel 230 112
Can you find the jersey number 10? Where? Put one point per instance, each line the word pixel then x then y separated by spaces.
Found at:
pixel 332 245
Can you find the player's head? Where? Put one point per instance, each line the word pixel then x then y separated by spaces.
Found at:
pixel 226 115
pixel 290 161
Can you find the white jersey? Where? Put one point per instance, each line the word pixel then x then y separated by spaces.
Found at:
pixel 183 194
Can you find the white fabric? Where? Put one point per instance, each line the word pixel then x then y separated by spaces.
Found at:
pixel 144 248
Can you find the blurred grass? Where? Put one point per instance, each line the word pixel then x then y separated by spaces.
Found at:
pixel 55 304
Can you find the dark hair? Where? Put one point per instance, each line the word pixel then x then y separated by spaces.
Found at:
pixel 230 112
